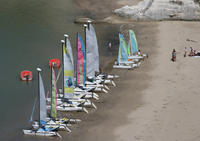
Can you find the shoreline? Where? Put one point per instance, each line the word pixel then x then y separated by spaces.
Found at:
pixel 145 104
pixel 121 100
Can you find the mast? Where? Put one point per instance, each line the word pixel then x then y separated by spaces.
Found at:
pixel 39 70
pixel 77 60
pixel 51 84
pixel 85 28
pixel 88 24
pixel 63 42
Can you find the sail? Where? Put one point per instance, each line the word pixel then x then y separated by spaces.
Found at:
pixel 43 111
pixel 123 47
pixel 119 55
pixel 129 48
pixel 68 71
pixel 69 51
pixel 54 95
pixel 134 45
pixel 81 66
pixel 92 52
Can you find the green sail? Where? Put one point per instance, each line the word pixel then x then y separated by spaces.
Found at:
pixel 54 95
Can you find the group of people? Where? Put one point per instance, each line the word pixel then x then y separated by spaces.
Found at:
pixel 191 53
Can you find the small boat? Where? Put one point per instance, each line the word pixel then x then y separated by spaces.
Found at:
pixel 122 62
pixel 92 57
pixel 26 75
pixel 40 127
pixel 133 51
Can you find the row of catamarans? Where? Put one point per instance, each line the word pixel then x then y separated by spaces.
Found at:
pixel 76 93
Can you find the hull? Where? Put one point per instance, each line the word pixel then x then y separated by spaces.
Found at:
pixel 69 109
pixel 81 102
pixel 40 133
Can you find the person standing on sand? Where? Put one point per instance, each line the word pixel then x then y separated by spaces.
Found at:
pixel 191 51
pixel 185 52
pixel 174 55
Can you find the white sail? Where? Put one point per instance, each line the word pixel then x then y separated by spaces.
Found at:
pixel 68 71
pixel 92 53
pixel 69 51
pixel 43 110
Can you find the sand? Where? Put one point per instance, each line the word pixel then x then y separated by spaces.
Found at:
pixel 159 101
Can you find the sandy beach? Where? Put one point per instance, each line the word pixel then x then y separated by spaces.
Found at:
pixel 159 101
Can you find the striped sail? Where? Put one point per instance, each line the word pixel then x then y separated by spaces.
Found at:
pixel 92 53
pixel 133 42
pixel 123 47
pixel 119 55
pixel 68 71
pixel 53 95
pixel 81 66
pixel 43 110
pixel 129 48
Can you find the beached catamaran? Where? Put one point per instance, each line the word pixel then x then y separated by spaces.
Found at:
pixel 70 101
pixel 92 60
pixel 122 61
pixel 133 47
pixel 81 76
pixel 40 127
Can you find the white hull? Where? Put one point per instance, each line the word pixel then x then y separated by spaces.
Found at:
pixel 40 133
pixel 58 125
pixel 122 67
pixel 69 109
pixel 81 102
pixel 135 57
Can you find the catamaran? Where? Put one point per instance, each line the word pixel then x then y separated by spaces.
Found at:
pixel 92 60
pixel 123 62
pixel 65 103
pixel 40 127
pixel 133 47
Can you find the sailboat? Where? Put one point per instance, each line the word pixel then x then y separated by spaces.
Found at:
pixel 39 127
pixel 71 101
pixel 133 47
pixel 92 60
pixel 62 104
pixel 122 61
pixel 81 69
pixel 68 61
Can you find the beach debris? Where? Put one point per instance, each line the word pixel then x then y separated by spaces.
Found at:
pixel 189 40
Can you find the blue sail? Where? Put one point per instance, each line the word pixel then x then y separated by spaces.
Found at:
pixel 134 45
pixel 123 47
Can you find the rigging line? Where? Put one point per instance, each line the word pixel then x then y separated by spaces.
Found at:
pixel 31 119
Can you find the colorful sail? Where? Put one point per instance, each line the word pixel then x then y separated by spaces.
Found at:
pixel 54 95
pixel 133 41
pixel 68 71
pixel 92 53
pixel 119 55
pixel 81 66
pixel 129 48
pixel 43 110
pixel 123 47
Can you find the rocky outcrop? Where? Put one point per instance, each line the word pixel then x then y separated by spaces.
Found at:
pixel 162 10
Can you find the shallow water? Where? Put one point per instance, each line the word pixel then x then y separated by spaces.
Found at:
pixel 30 34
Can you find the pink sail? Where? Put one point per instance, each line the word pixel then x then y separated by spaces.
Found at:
pixel 81 66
